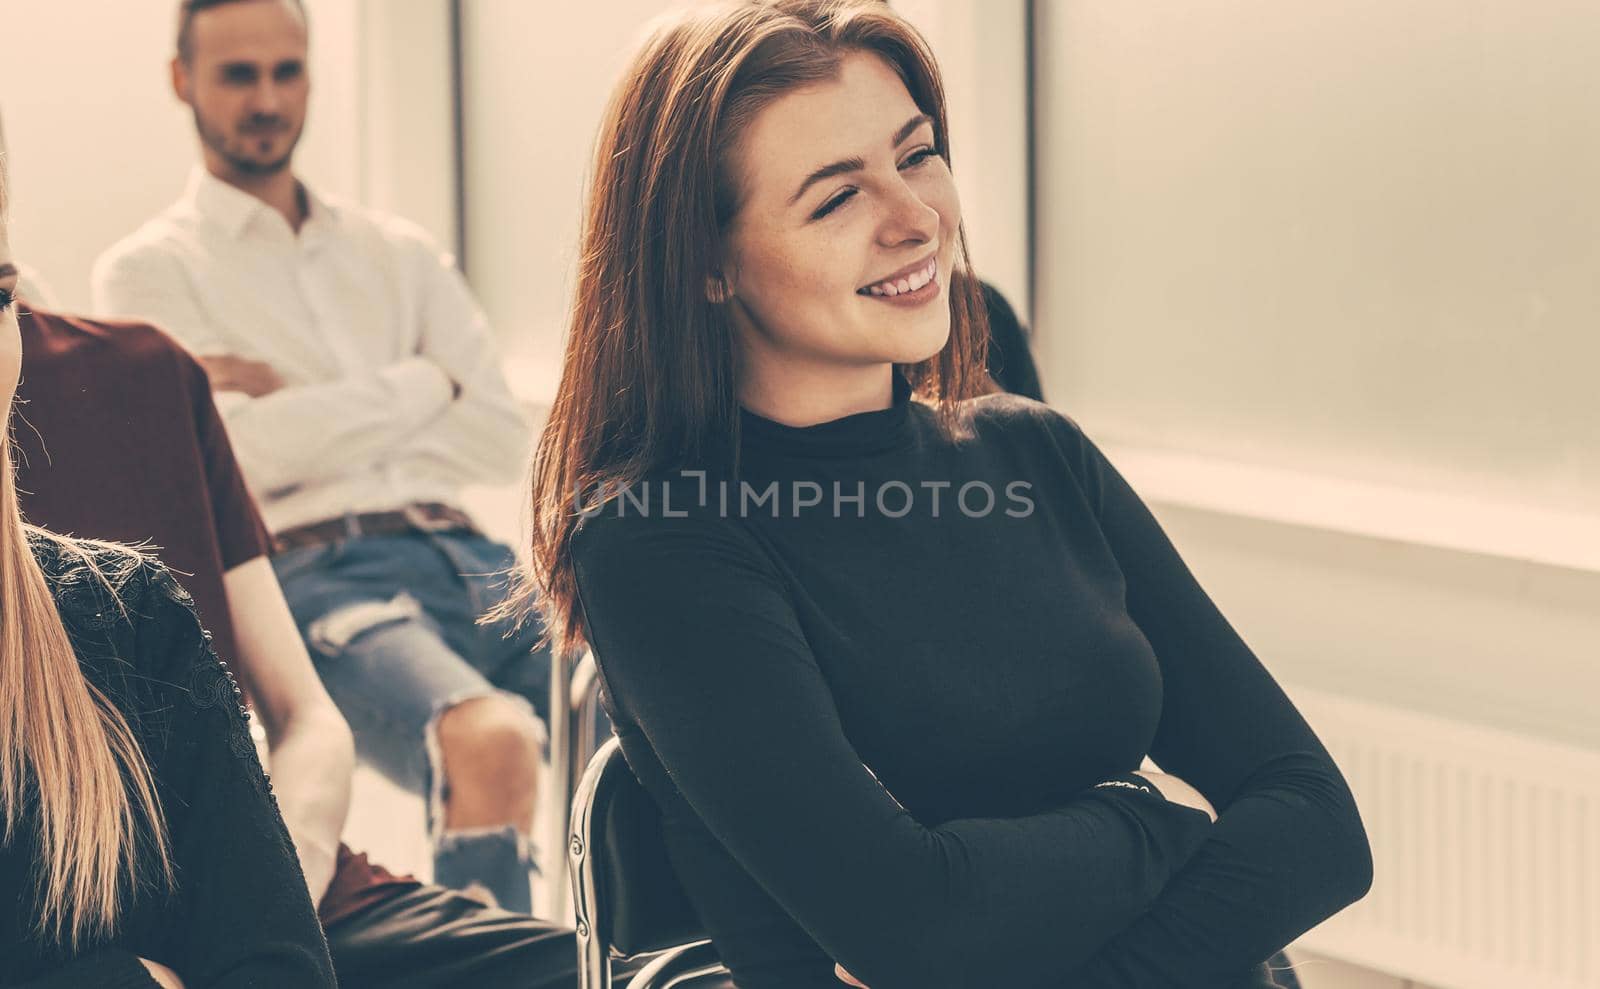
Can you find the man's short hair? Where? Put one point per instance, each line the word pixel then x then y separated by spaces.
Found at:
pixel 187 9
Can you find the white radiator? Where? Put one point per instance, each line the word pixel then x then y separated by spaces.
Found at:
pixel 1486 850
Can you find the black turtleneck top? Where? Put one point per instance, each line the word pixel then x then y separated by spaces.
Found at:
pixel 887 686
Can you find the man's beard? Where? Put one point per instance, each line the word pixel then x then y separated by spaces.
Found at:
pixel 215 139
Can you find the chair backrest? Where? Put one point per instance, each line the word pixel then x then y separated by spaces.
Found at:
pixel 626 896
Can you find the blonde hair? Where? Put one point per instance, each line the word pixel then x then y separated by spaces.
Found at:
pixel 69 763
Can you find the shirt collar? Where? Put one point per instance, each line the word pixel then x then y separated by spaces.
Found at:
pixel 233 209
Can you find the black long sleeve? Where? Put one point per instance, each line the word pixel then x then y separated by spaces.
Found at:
pixel 1288 848
pixel 741 717
pixel 989 667
pixel 239 915
pixel 111 968
pixel 246 916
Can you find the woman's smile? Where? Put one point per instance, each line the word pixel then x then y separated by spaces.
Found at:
pixel 917 287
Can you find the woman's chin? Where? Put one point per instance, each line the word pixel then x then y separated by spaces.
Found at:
pixel 923 344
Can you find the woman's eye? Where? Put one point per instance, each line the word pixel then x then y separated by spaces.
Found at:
pixel 833 204
pixel 918 157
pixel 6 298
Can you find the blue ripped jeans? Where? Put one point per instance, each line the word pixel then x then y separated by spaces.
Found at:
pixel 391 623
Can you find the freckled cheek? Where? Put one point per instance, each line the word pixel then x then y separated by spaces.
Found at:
pixel 785 281
pixel 821 275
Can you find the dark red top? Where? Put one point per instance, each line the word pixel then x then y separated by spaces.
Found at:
pixel 118 438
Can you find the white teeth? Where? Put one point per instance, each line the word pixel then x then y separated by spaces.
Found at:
pixel 908 284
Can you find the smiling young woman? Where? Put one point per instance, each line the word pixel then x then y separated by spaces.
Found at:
pixel 775 499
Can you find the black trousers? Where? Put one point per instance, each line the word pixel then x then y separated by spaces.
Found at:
pixel 437 938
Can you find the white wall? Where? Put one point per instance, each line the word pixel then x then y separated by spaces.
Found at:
pixel 1357 237
pixel 982 54
pixel 407 136
pixel 1352 241
pixel 538 77
pixel 97 143
pixel 1321 277
pixel 1471 637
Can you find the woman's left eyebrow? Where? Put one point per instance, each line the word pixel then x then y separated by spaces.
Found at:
pixel 910 127
pixel 7 270
pixel 856 164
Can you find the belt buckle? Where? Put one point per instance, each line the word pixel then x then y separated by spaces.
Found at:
pixel 421 522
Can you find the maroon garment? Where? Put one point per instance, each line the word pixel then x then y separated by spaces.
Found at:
pixel 117 438
pixel 359 883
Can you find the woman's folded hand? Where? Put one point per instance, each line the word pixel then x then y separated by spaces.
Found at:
pixel 1178 792
pixel 165 977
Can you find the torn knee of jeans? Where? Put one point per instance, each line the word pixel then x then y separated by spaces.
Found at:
pixel 332 633
pixel 497 859
pixel 438 786
pixel 507 834
pixel 541 731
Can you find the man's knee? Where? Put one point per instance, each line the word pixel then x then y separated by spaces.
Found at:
pixel 491 741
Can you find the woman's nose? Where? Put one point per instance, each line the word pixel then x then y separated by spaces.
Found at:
pixel 907 218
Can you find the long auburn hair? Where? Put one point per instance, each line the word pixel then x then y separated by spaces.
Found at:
pixel 650 373
pixel 649 379
pixel 69 763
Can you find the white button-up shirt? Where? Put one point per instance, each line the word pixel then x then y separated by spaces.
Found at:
pixel 367 322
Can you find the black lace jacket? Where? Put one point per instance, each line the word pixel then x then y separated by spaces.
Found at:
pixel 239 914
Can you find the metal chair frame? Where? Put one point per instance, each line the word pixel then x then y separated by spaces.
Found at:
pixel 574 715
pixel 680 965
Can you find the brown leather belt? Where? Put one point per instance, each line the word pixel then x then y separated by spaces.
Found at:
pixel 416 517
